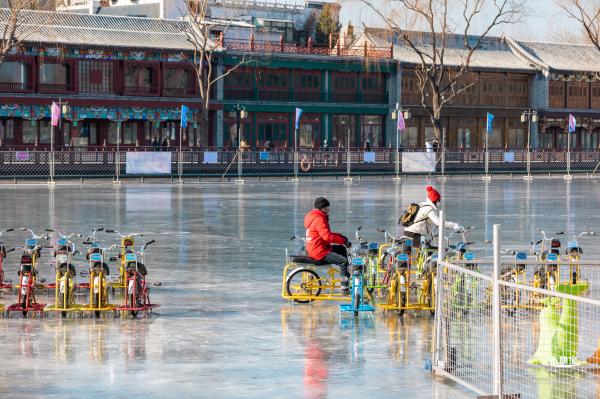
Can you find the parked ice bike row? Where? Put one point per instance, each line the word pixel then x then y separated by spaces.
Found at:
pixel 392 275
pixel 129 281
pixel 543 266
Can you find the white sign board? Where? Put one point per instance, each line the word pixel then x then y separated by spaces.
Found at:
pixel 148 163
pixel 211 157
pixel 418 161
pixel 509 157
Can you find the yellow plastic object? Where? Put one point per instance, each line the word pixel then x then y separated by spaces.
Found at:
pixel 310 288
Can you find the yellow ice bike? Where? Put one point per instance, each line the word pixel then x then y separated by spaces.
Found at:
pixel 303 283
pixel 127 246
pixel 65 285
pixel 98 282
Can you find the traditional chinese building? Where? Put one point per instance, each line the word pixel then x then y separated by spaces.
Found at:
pixel 501 85
pixel 107 71
pixel 124 79
pixel 567 83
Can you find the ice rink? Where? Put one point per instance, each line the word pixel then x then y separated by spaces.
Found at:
pixel 222 330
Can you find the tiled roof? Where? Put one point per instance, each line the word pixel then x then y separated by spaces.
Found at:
pixel 561 57
pixel 99 30
pixel 494 54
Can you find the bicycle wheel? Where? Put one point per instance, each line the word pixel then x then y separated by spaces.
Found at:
pixel 402 296
pixel 430 294
pixel 303 282
pixel 372 277
pixel 356 302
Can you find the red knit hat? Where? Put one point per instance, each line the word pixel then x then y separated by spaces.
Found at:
pixel 433 195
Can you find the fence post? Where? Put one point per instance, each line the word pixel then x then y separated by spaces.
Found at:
pixel 51 163
pixel 438 294
pixel 118 155
pixel 397 164
pixel 529 164
pixel 443 161
pixel 348 167
pixel 496 309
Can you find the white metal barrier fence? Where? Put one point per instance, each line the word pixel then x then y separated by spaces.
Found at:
pixel 303 162
pixel 497 333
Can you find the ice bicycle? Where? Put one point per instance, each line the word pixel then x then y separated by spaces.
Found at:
pixel 302 283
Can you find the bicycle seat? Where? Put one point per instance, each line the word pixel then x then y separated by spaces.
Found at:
pixel 305 259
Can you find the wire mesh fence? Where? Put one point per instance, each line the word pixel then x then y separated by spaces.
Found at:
pixel 304 163
pixel 548 341
pixel 464 332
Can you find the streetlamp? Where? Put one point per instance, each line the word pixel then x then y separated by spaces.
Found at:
pixel 240 113
pixel 398 111
pixel 529 116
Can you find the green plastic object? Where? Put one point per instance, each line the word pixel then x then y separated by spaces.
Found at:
pixel 559 334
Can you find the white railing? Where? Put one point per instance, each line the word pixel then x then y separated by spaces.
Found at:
pixel 497 333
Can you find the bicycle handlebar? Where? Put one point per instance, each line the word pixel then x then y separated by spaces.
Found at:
pixel 585 233
pixel 124 235
pixel 33 235
pixel 5 231
pixel 546 237
pixel 146 245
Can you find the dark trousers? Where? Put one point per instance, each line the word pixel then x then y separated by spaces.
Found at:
pixel 338 256
pixel 415 237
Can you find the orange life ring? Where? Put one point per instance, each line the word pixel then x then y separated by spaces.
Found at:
pixel 305 164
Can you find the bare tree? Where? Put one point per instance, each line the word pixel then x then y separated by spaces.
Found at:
pixel 11 21
pixel 198 33
pixel 441 77
pixel 587 15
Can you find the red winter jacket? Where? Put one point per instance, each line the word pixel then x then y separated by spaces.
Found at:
pixel 318 235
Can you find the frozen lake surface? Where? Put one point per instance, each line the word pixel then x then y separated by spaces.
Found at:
pixel 222 329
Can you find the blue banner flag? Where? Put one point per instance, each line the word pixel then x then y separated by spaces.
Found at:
pixel 184 111
pixel 490 122
pixel 298 115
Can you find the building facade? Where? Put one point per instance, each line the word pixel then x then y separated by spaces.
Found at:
pixel 125 85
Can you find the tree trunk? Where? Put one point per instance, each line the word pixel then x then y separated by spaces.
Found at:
pixel 204 127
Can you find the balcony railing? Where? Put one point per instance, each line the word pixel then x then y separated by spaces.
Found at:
pixel 56 88
pixel 281 47
pixel 308 96
pixel 140 91
pixel 257 94
pixel 178 91
pixel 273 95
pixel 358 98
pixel 7 86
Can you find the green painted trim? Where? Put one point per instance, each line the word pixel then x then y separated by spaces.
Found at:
pixel 316 108
pixel 315 64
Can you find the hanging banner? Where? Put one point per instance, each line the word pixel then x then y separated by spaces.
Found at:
pixel 418 161
pixel 22 156
pixel 369 157
pixel 148 163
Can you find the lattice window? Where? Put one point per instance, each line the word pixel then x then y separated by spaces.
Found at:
pixel 95 76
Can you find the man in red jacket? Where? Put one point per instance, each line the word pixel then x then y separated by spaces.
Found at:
pixel 320 241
